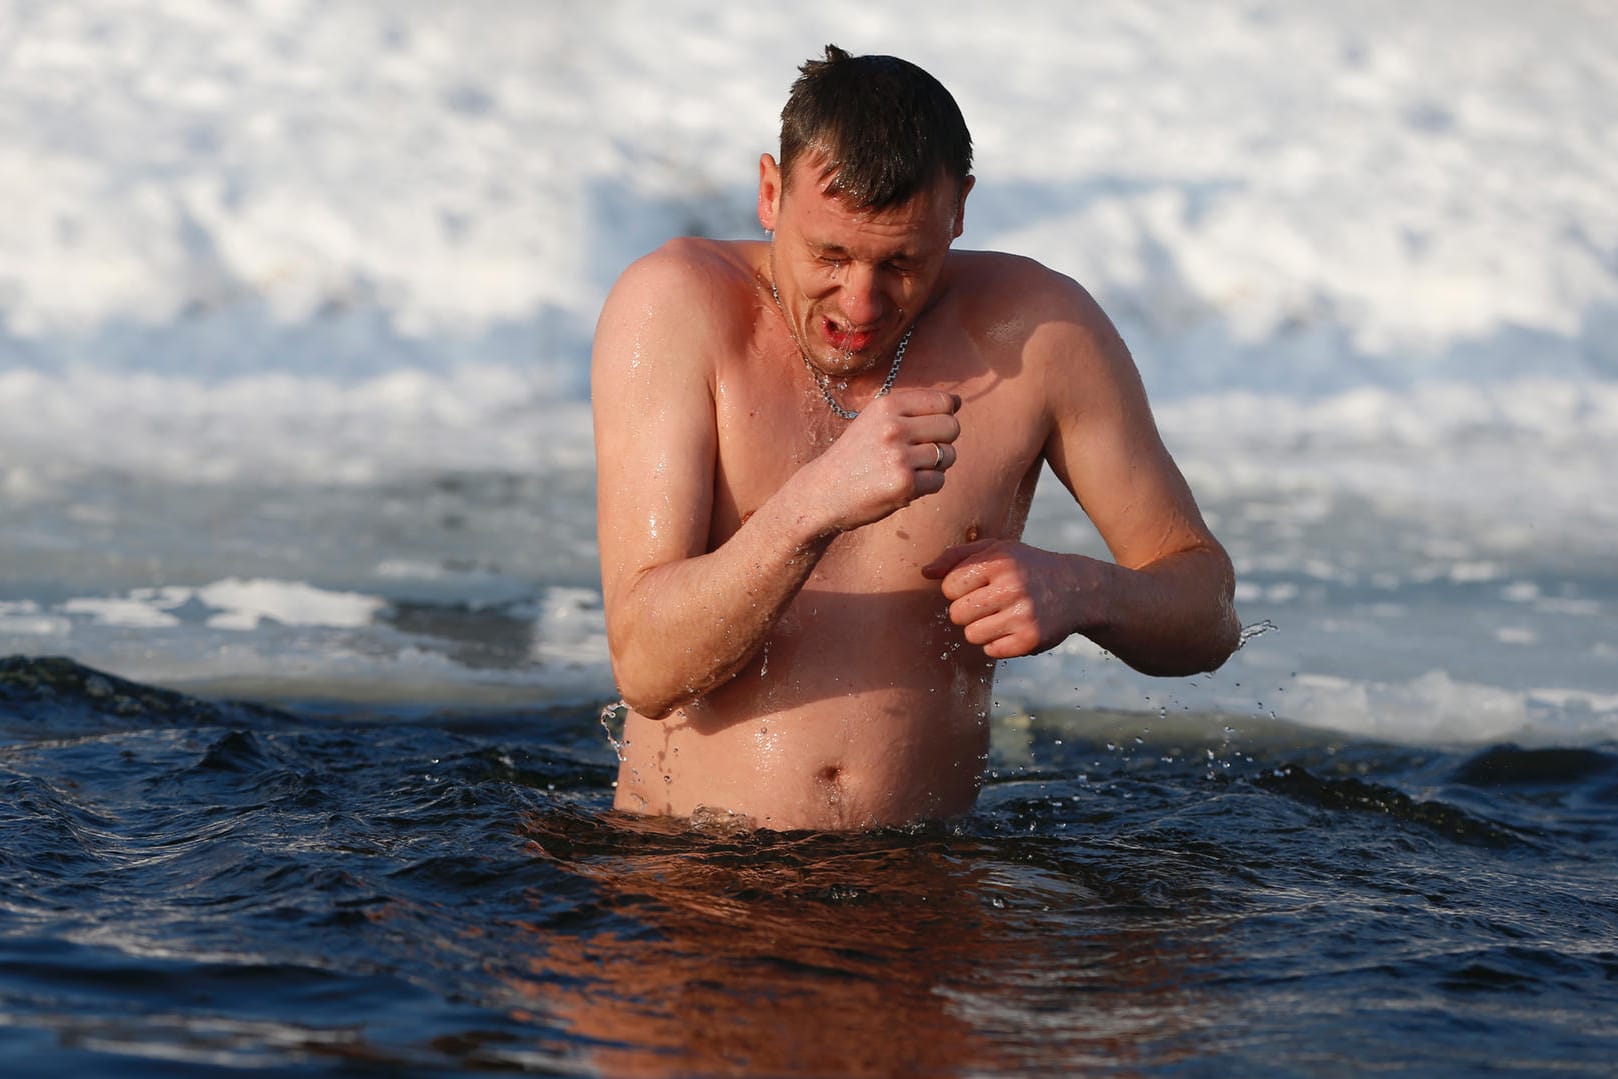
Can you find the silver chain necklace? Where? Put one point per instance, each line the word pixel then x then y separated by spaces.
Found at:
pixel 824 381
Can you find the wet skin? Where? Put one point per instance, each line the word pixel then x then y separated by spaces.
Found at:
pixel 805 611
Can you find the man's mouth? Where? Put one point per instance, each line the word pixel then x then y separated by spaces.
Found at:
pixel 845 339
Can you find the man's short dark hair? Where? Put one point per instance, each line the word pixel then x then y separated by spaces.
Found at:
pixel 885 128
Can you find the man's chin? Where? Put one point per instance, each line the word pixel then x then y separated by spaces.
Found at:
pixel 842 364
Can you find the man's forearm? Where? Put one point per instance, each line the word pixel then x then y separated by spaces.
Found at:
pixel 682 628
pixel 1173 617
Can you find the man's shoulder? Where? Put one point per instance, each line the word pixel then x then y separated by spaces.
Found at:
pixel 1000 277
pixel 997 292
pixel 693 264
pixel 688 301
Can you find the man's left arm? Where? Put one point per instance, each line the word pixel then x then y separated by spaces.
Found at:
pixel 1164 605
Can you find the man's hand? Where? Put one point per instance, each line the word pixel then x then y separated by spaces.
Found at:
pixel 895 452
pixel 1013 599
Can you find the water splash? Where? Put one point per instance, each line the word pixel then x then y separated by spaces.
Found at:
pixel 1257 629
pixel 613 716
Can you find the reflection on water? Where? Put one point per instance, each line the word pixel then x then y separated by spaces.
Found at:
pixel 185 882
pixel 898 953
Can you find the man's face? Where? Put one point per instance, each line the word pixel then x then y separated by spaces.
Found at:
pixel 852 281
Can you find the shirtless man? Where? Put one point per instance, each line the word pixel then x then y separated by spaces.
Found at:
pixel 815 456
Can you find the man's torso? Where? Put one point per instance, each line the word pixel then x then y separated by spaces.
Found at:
pixel 865 705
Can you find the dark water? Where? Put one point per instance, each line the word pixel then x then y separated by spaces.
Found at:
pixel 193 888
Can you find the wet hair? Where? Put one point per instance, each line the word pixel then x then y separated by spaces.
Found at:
pixel 885 128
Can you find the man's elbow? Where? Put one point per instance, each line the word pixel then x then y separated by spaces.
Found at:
pixel 650 707
pixel 639 685
pixel 1204 658
pixel 633 689
pixel 1219 634
pixel 1219 643
pixel 1198 649
pixel 642 694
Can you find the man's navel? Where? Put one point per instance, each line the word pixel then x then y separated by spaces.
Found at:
pixel 829 786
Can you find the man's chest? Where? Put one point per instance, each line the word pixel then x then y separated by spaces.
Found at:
pixel 985 494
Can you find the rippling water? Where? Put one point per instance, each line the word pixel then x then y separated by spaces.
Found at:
pixel 199 886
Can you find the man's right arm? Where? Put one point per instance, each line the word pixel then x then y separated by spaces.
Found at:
pixel 682 619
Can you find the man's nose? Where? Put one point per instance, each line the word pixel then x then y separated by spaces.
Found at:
pixel 862 299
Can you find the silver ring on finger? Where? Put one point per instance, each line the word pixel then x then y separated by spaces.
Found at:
pixel 938 464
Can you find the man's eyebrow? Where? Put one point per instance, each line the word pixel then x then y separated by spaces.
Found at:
pixel 838 250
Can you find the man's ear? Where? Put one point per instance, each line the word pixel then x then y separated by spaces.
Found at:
pixel 960 205
pixel 769 191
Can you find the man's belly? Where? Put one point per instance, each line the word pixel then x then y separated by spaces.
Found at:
pixel 860 711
